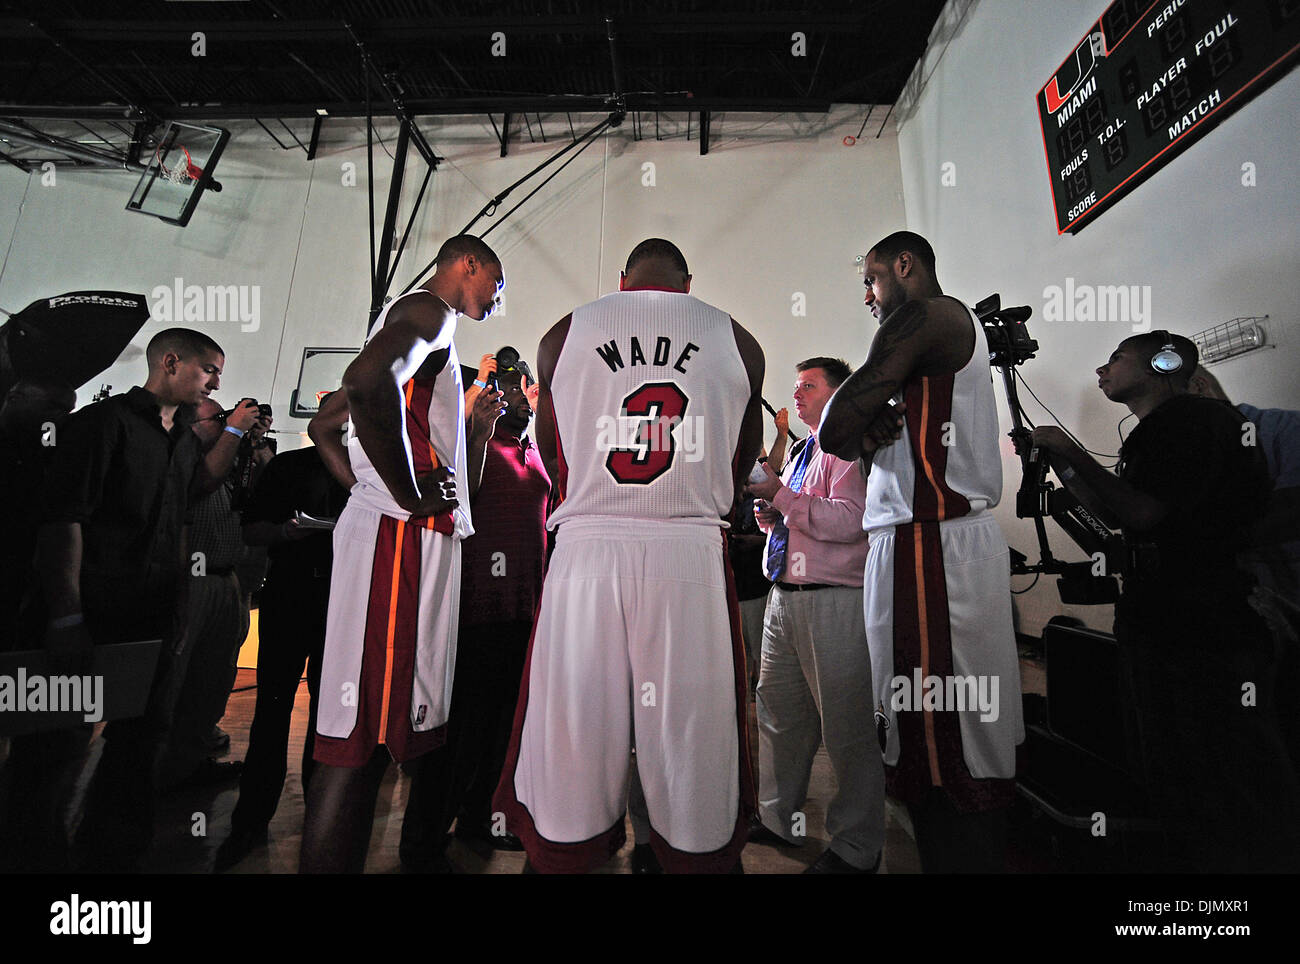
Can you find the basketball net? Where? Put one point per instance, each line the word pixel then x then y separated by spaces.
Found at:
pixel 181 174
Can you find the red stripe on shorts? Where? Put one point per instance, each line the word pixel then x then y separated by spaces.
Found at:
pixel 546 856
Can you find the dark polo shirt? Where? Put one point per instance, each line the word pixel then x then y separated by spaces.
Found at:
pixel 126 480
pixel 503 562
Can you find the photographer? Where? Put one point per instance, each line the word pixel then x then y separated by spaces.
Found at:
pixel 502 565
pixel 1197 662
pixel 112 559
pixel 291 628
pixel 217 617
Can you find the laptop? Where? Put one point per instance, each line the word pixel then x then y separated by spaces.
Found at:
pixel 114 684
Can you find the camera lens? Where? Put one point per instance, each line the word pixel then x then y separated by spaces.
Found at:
pixel 507 358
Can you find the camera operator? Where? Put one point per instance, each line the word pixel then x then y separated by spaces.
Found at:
pixel 1196 661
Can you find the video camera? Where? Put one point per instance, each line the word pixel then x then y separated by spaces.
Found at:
pixel 1010 345
pixel 1008 338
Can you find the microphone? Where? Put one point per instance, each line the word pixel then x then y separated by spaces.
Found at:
pixel 771 411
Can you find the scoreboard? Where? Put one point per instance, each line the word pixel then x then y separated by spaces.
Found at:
pixel 1146 82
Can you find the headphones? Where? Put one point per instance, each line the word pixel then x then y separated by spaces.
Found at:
pixel 1167 360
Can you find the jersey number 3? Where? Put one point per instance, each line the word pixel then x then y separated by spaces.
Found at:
pixel 660 407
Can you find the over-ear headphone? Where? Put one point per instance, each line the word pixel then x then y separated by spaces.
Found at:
pixel 1167 360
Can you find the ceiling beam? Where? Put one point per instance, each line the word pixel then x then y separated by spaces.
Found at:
pixel 405 31
pixel 468 105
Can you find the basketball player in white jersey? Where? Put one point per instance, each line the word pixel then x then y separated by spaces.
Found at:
pixel 649 419
pixel 390 635
pixel 937 594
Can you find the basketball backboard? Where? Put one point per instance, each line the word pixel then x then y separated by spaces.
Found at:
pixel 321 373
pixel 178 172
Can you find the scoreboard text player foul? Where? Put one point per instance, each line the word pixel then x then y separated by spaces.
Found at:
pixel 1147 81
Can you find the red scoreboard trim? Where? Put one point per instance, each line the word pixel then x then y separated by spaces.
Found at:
pixel 1098 206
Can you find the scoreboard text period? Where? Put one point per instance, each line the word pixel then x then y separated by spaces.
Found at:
pixel 1147 81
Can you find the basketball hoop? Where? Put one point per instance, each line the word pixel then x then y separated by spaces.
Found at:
pixel 180 170
pixel 181 174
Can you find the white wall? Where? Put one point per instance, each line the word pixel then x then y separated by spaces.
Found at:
pixel 775 208
pixel 1210 248
pixel 780 205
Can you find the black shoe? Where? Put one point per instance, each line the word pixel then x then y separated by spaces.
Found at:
pixel 644 860
pixel 760 834
pixel 237 846
pixel 211 772
pixel 218 741
pixel 482 834
pixel 506 841
pixel 832 863
pixel 438 864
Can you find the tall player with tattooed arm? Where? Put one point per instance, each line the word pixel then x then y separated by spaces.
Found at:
pixel 937 594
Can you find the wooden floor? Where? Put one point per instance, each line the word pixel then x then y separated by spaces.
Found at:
pixel 192 824
pixel 179 849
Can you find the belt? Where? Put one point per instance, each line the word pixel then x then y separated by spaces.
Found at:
pixel 806 586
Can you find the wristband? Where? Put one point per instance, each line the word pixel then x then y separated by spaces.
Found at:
pixel 236 432
pixel 68 621
pixel 480 384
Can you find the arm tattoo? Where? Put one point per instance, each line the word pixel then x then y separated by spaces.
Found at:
pixel 903 324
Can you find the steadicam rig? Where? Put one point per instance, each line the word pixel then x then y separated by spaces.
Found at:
pixel 1010 345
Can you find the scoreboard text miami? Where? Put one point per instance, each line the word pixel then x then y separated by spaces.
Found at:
pixel 1147 81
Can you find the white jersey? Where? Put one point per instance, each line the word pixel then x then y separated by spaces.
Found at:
pixel 947 464
pixel 434 435
pixel 649 392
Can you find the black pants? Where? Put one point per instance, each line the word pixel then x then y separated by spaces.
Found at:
pixel 291 633
pixel 38 780
pixel 117 828
pixel 951 842
pixel 457 780
pixel 1204 736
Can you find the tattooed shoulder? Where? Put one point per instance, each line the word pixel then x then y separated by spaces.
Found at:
pixel 906 321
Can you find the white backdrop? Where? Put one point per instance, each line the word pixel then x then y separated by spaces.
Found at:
pixel 780 206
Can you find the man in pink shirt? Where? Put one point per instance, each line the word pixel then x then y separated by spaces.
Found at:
pixel 815 678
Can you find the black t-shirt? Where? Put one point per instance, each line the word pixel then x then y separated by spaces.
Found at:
pixel 1189 454
pixel 297 480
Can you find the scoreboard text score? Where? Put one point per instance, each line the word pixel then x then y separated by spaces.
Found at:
pixel 1147 81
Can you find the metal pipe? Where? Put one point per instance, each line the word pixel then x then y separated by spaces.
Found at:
pixel 71 151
